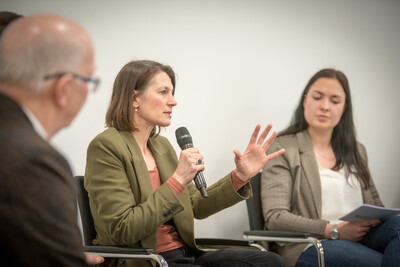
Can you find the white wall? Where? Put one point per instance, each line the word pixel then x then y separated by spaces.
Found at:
pixel 240 63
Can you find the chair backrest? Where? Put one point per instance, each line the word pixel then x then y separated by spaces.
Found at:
pixel 89 233
pixel 254 209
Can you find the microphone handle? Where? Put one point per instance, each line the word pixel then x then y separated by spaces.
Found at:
pixel 201 184
pixel 199 180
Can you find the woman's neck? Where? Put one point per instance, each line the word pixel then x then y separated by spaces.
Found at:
pixel 320 139
pixel 142 137
pixel 322 147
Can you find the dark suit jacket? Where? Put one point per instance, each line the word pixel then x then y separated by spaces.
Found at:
pixel 126 211
pixel 291 192
pixel 38 212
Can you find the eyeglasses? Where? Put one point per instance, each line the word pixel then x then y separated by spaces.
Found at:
pixel 92 83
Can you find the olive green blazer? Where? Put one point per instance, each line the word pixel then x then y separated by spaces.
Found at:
pixel 126 211
pixel 291 192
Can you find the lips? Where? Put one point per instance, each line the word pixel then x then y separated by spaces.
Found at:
pixel 322 117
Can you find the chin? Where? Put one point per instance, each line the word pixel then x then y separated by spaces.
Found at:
pixel 165 123
pixel 321 126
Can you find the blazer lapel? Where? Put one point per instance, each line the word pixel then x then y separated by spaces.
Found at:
pixel 310 168
pixel 160 154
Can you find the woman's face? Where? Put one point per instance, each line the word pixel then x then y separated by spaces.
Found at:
pixel 324 104
pixel 154 105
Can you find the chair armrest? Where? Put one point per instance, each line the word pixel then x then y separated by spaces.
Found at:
pixel 280 236
pixel 284 234
pixel 126 253
pixel 223 242
pixel 118 250
pixel 217 243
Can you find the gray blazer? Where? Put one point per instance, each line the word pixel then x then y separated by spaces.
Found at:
pixel 291 192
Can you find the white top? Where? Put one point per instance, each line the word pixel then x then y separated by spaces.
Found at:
pixel 339 197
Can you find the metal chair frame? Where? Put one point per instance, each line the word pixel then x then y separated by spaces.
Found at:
pixel 256 221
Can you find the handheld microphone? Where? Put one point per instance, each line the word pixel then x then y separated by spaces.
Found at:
pixel 185 141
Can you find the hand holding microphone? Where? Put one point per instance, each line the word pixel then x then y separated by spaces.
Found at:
pixel 186 144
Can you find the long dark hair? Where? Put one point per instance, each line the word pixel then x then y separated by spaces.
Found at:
pixel 343 141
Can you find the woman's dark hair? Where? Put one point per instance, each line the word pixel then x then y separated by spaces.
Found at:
pixel 134 76
pixel 344 143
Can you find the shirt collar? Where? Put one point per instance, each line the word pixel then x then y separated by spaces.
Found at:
pixel 37 126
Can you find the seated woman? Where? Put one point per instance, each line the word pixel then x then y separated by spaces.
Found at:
pixel 322 176
pixel 141 195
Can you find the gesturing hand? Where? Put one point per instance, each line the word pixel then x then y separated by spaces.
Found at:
pixel 255 157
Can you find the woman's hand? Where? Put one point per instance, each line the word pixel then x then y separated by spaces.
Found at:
pixel 355 231
pixel 255 157
pixel 188 165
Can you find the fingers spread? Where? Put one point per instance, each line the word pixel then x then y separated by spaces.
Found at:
pixel 253 137
pixel 276 154
pixel 270 141
pixel 264 134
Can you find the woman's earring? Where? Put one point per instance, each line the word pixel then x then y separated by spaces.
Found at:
pixel 135 109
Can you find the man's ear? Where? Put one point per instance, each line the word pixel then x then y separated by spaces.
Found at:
pixel 61 88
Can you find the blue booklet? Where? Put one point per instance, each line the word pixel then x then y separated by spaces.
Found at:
pixel 367 212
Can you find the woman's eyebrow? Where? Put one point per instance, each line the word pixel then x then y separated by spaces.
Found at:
pixel 318 92
pixel 336 96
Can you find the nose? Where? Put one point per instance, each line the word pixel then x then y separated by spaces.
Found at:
pixel 172 101
pixel 325 104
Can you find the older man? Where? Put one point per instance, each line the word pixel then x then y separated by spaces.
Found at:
pixel 46 67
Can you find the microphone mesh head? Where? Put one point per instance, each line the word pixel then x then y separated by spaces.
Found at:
pixel 183 137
